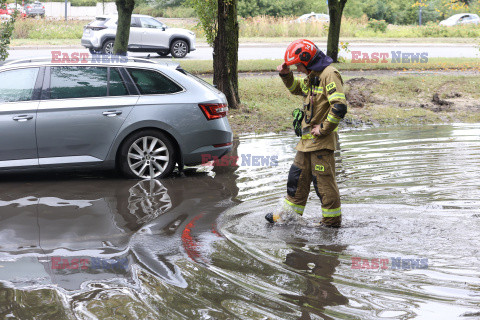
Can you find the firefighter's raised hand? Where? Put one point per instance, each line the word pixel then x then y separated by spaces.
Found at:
pixel 316 130
pixel 283 68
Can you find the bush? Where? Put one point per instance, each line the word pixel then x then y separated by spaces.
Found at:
pixel 266 26
pixel 149 11
pixel 434 30
pixel 6 30
pixel 377 25
pixel 179 12
pixel 279 8
pixel 83 3
pixel 170 12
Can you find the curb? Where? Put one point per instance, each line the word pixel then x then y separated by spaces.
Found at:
pixel 66 47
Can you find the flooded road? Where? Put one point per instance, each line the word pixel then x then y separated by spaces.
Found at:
pixel 97 246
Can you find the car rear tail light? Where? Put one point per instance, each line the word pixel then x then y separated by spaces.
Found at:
pixel 223 144
pixel 96 28
pixel 214 110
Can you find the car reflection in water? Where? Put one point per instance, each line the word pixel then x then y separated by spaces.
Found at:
pixel 72 232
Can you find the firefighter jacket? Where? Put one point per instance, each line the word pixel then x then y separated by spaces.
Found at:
pixel 323 98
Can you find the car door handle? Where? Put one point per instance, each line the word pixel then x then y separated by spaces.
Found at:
pixel 112 113
pixel 22 118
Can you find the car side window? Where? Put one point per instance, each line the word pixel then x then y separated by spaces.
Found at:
pixel 151 23
pixel 133 23
pixel 153 82
pixel 116 85
pixel 17 85
pixel 78 82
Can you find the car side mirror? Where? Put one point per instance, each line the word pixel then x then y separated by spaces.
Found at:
pixel 163 28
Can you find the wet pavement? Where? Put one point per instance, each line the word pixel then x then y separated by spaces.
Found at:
pixel 196 246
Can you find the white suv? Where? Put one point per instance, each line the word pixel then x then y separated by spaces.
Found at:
pixel 146 35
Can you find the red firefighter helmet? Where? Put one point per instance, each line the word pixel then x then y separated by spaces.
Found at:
pixel 300 51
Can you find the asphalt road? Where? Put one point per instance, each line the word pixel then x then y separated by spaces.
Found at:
pixel 276 51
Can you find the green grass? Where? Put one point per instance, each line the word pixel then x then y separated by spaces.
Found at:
pixel 287 40
pixel 270 65
pixel 43 29
pixel 267 104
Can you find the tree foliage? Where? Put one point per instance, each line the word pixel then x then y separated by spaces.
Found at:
pixel 6 31
pixel 207 15
pixel 252 8
pixel 392 11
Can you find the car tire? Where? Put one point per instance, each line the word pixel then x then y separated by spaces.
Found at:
pixel 163 53
pixel 179 48
pixel 108 47
pixel 147 154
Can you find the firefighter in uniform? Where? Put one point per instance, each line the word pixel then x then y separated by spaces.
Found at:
pixel 323 108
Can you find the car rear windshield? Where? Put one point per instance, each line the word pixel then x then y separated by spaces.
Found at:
pixel 200 80
pixel 98 22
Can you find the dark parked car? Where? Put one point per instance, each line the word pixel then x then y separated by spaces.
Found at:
pixel 35 9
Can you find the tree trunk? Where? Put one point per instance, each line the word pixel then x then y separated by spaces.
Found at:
pixel 225 52
pixel 335 8
pixel 125 9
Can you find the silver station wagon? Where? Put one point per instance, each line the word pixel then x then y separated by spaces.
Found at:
pixel 139 116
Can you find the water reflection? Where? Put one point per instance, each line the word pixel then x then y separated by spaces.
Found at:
pixel 318 264
pixel 75 231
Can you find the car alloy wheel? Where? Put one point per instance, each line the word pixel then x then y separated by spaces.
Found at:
pixel 147 155
pixel 147 200
pixel 108 47
pixel 179 49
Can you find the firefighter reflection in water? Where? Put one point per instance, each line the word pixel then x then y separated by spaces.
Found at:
pixel 316 124
pixel 320 263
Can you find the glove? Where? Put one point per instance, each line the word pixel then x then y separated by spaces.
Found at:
pixel 297 121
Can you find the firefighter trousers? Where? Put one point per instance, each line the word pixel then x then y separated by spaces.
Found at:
pixel 317 167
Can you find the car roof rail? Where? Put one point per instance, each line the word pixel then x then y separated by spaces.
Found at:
pixel 141 60
pixel 19 61
pixel 89 59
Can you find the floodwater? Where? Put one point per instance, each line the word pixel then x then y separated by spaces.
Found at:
pixel 196 246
